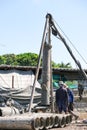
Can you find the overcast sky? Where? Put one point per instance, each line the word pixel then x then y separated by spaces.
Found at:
pixel 22 24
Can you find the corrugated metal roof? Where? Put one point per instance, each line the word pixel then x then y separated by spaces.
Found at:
pixel 9 67
pixel 69 73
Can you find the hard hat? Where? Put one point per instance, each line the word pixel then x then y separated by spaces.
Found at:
pixel 65 85
pixel 61 82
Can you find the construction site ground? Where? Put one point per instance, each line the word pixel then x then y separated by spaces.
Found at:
pixel 74 126
pixel 80 108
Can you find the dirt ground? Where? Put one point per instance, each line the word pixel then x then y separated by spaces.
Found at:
pixel 81 110
pixel 76 125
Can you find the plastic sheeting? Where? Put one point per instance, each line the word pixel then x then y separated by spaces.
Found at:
pixel 17 85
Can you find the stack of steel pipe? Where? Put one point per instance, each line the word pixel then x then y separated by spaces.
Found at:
pixel 34 121
pixel 47 120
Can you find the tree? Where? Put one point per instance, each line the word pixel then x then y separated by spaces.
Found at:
pixel 62 65
pixel 27 59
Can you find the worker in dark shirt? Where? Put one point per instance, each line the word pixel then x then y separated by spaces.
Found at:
pixel 62 98
pixel 80 89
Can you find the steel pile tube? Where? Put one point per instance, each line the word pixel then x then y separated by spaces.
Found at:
pixel 8 111
pixel 62 121
pixel 36 124
pixel 34 121
pixel 56 121
pixel 18 122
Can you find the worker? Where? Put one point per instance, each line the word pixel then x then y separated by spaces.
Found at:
pixel 70 98
pixel 62 98
pixel 70 102
pixel 80 90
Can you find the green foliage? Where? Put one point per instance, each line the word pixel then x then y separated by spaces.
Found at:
pixel 9 59
pixel 54 65
pixel 2 60
pixel 62 65
pixel 26 59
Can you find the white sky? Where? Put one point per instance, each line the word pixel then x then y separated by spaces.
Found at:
pixel 22 24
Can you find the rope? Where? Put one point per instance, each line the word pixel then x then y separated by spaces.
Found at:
pixel 70 42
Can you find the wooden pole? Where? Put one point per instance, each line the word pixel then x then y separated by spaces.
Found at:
pixel 38 66
pixel 12 81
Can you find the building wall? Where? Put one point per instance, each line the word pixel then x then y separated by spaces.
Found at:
pixel 17 78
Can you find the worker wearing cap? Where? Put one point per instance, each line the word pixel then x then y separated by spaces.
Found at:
pixel 62 98
pixel 70 102
pixel 70 98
